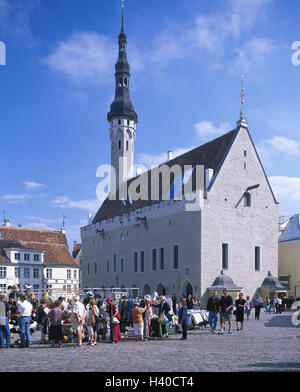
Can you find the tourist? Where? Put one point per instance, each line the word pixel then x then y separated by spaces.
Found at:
pixel 163 307
pixel 190 302
pixel 42 312
pixel 124 322
pixel 240 304
pixel 174 303
pixel 258 303
pixel 103 319
pixel 137 317
pixel 92 321
pixel 24 310
pixel 248 307
pixel 213 306
pixel 78 318
pixel 5 314
pixel 55 329
pixel 226 311
pixel 183 318
pixel 268 305
pixel 279 307
pixel 114 316
pixel 146 302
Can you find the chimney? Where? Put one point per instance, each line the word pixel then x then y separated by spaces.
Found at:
pixel 209 173
pixel 138 170
pixel 6 222
pixel 170 155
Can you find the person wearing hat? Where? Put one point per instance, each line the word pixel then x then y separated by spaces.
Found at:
pixel 137 316
pixel 14 293
pixel 146 302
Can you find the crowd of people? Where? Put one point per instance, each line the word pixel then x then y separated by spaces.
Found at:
pixel 90 319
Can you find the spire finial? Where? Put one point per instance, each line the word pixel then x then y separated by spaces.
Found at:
pixel 122 6
pixel 242 98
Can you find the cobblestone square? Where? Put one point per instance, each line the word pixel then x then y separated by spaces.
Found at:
pixel 270 344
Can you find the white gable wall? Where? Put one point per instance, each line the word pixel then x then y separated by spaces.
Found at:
pixel 242 228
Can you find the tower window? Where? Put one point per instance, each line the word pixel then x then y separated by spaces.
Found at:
pixel 257 258
pixel 247 199
pixel 224 256
pixel 119 122
pixel 119 144
pixel 125 81
pixel 245 153
pixel 128 122
pixel 127 145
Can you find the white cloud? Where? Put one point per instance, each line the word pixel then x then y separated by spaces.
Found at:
pixel 84 56
pixel 87 56
pixel 15 19
pixel 253 55
pixel 287 193
pixel 206 129
pixel 284 145
pixel 15 198
pixel 90 57
pixel 65 202
pixel 269 149
pixel 31 185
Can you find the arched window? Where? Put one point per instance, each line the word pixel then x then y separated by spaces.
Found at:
pixel 119 144
pixel 127 145
pixel 247 199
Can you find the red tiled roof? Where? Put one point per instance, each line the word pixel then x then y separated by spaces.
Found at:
pixel 76 250
pixel 53 243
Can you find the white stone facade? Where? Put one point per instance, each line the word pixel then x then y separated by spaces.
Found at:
pixel 198 236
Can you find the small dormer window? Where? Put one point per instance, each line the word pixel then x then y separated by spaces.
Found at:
pixel 247 199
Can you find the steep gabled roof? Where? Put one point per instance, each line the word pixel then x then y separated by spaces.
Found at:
pixel 210 155
pixel 52 242
pixel 292 230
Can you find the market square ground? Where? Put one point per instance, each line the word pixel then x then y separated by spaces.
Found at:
pixel 270 344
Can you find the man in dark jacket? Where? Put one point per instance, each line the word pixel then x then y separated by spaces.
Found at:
pixel 213 306
pixel 183 318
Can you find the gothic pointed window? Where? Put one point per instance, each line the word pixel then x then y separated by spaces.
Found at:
pixel 247 199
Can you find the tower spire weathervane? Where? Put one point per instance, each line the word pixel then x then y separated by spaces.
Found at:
pixel 122 6
pixel 242 98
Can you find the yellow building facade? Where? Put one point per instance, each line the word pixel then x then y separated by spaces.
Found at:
pixel 289 255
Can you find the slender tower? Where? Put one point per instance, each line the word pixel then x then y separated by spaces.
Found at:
pixel 122 117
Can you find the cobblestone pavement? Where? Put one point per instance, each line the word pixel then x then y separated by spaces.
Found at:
pixel 270 344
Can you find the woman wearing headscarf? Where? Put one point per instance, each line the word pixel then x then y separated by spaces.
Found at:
pixel 55 318
pixel 112 310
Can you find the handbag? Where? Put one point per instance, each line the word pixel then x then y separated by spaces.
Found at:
pixel 115 320
pixel 162 319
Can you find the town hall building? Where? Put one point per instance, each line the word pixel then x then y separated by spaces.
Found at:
pixel 167 247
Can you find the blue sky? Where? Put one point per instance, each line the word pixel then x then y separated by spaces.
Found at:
pixel 186 57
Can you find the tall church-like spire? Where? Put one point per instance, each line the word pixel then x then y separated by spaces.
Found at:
pixel 122 116
pixel 122 105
